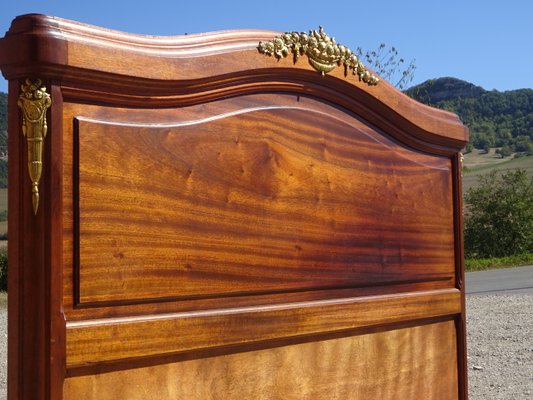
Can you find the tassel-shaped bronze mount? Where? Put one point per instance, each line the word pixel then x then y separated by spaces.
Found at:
pixel 34 101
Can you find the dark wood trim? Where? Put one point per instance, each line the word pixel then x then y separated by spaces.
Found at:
pixel 75 215
pixel 462 359
pixel 54 210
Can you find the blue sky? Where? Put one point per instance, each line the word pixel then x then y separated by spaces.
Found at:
pixel 486 42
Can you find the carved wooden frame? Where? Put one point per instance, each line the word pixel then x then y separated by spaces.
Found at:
pixel 78 64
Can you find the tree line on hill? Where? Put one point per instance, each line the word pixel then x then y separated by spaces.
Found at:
pixel 495 119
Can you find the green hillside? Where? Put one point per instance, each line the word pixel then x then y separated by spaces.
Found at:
pixel 495 119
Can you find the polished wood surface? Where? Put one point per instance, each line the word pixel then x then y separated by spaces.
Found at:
pixel 115 339
pixel 258 200
pixel 218 224
pixel 409 363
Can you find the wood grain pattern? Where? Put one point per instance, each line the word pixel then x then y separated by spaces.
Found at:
pixel 96 341
pixel 244 203
pixel 218 224
pixel 410 363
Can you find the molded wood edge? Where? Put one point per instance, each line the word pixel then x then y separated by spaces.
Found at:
pixel 114 339
pixel 67 48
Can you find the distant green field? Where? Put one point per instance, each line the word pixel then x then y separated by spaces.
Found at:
pixel 470 175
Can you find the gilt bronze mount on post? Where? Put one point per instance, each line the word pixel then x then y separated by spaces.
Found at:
pixel 34 101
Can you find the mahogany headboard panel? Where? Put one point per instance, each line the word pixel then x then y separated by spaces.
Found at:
pixel 191 218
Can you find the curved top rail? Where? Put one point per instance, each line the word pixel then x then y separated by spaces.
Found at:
pixel 179 69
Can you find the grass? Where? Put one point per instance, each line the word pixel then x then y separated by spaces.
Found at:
pixel 494 263
pixel 479 157
pixel 473 170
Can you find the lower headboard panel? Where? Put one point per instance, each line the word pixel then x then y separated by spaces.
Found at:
pixel 417 362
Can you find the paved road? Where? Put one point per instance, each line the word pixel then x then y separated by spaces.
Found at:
pixel 500 281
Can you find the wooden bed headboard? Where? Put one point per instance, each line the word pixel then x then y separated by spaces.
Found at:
pixel 212 217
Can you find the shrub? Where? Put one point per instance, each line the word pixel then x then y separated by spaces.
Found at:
pixel 499 221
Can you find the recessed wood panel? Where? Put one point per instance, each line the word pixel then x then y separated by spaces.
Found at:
pixel 410 363
pixel 263 200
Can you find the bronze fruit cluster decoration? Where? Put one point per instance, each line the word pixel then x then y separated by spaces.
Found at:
pixel 323 53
